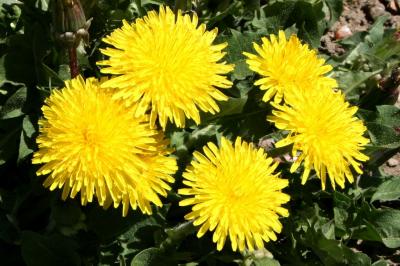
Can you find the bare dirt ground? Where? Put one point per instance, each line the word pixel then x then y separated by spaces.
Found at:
pixel 359 15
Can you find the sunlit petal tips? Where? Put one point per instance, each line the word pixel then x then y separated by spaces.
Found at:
pixel 167 63
pixel 325 134
pixel 94 145
pixel 235 192
pixel 286 65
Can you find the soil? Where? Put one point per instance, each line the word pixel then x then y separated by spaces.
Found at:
pixel 392 166
pixel 359 15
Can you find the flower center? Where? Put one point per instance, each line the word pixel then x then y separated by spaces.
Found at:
pixel 166 71
pixel 170 69
pixel 90 137
pixel 235 194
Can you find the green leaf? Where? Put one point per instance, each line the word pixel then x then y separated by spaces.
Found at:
pixel 237 44
pixel 8 229
pixel 252 4
pixel 10 131
pixel 142 233
pixel 10 2
pixel 315 233
pixel 341 200
pixel 43 4
pixel 383 136
pixel 333 252
pixel 379 225
pixel 280 11
pixel 149 257
pixel 335 8
pixel 373 50
pixel 341 212
pixel 382 130
pixel 377 30
pixel 176 235
pixel 13 106
pixel 230 107
pixel 310 19
pixel 177 140
pixel 351 80
pixel 28 126
pixel 18 63
pixel 266 262
pixel 108 224
pixel 26 144
pixel 66 213
pixel 384 49
pixel 388 115
pixel 340 216
pixel 380 263
pixel 24 150
pixel 306 15
pixel 39 250
pixel 64 72
pixel 389 190
pixel 201 135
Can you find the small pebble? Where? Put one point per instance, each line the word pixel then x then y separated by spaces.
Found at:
pixel 393 5
pixel 377 10
pixel 267 144
pixel 392 162
pixel 377 77
pixel 343 32
pixel 395 21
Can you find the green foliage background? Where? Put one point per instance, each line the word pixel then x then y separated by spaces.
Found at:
pixel 359 225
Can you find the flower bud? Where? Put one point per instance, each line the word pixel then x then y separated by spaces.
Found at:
pixel 69 23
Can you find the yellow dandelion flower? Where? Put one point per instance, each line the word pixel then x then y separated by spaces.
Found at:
pixel 168 63
pixel 92 144
pixel 235 193
pixel 286 65
pixel 325 134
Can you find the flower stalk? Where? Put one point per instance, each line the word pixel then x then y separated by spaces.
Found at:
pixel 73 62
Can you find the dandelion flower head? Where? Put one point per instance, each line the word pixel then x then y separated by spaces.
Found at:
pixel 92 144
pixel 234 192
pixel 325 134
pixel 167 63
pixel 286 65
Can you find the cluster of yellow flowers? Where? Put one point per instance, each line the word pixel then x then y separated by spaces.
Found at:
pixel 100 138
pixel 321 125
